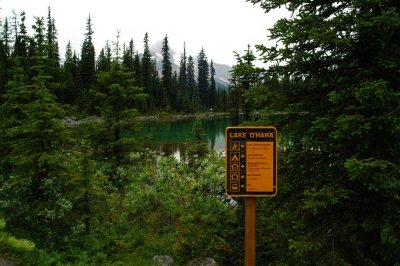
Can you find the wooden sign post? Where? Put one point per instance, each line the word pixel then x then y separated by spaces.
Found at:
pixel 250 232
pixel 251 171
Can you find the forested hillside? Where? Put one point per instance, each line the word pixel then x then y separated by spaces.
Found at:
pixel 75 75
pixel 91 195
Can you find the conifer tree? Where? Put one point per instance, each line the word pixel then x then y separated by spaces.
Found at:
pixel 5 64
pixel 108 57
pixel 175 86
pixel 183 97
pixel 14 26
pixel 183 69
pixel 213 88
pixel 198 145
pixel 203 79
pixel 86 72
pixel 118 100
pixel 339 174
pixel 6 38
pixel 247 75
pixel 53 59
pixel 116 62
pixel 21 42
pixel 128 59
pixel 167 76
pixel 34 146
pixel 51 40
pixel 234 98
pixel 160 97
pixel 193 90
pixel 222 100
pixel 70 75
pixel 147 71
pixel 3 68
pixel 137 70
pixel 39 36
pixel 101 61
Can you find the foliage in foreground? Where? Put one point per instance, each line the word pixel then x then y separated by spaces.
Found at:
pixel 168 208
pixel 7 240
pixel 337 85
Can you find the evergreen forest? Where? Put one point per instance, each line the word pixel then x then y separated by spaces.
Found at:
pixel 84 193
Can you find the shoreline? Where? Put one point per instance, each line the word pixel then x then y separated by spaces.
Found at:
pixel 177 117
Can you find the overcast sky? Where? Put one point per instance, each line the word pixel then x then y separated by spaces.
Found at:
pixel 220 26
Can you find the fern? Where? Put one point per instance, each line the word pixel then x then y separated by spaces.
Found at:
pixel 9 241
pixel 2 224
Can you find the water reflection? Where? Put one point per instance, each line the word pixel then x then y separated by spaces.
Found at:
pixel 171 137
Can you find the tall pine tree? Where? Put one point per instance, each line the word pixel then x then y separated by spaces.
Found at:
pixel 339 171
pixel 193 90
pixel 166 79
pixel 147 71
pixel 34 147
pixel 182 93
pixel 87 71
pixel 213 87
pixel 203 79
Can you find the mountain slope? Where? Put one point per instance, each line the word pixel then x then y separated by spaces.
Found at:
pixel 221 70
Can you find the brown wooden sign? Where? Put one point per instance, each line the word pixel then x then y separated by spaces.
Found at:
pixel 251 161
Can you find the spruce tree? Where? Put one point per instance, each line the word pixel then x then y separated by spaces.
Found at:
pixel 198 144
pixel 34 147
pixel 194 98
pixel 86 72
pixel 39 36
pixel 175 86
pixel 51 40
pixel 5 64
pixel 203 79
pixel 104 61
pixel 213 87
pixel 167 76
pixel 183 93
pixel 183 79
pixel 234 97
pixel 70 75
pixel 118 100
pixel 160 97
pixel 128 59
pixel 14 26
pixel 101 61
pixel 137 70
pixel 6 37
pixel 116 62
pixel 21 42
pixel 53 58
pixel 247 75
pixel 108 57
pixel 147 71
pixel 339 170
pixel 3 68
pixel 222 100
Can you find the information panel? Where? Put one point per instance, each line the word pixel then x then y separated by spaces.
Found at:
pixel 251 161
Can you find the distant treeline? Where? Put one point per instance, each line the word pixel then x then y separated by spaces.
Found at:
pixel 75 79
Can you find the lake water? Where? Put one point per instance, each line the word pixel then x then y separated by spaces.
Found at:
pixel 170 137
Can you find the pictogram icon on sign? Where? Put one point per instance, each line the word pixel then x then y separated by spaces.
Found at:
pixel 235 146
pixel 235 187
pixel 235 166
pixel 235 177
pixel 235 156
